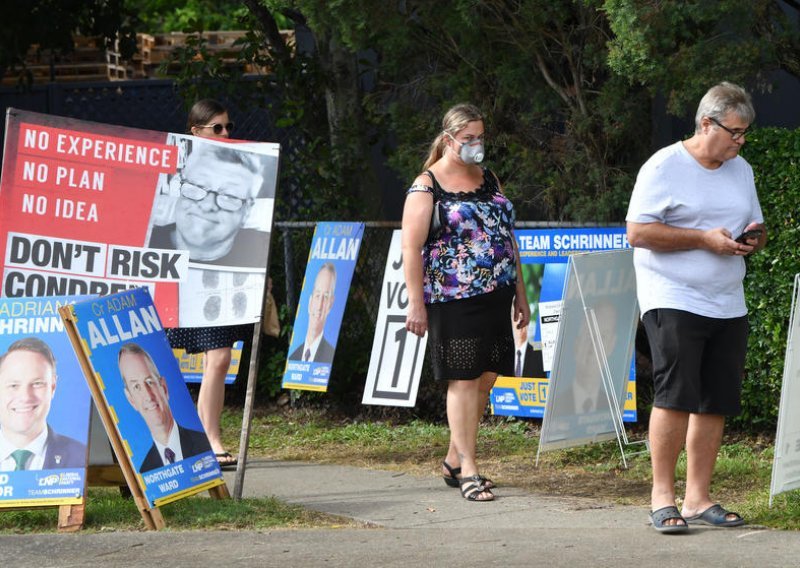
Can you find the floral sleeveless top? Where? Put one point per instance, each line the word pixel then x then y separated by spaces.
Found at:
pixel 474 252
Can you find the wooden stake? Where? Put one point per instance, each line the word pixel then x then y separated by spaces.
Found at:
pixel 70 517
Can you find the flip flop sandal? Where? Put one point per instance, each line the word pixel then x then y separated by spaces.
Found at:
pixel 225 460
pixel 473 487
pixel 660 516
pixel 452 479
pixel 716 516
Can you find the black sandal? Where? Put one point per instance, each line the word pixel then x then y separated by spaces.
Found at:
pixel 226 460
pixel 451 480
pixel 473 487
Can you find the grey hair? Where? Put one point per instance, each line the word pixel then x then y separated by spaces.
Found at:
pixel 722 99
pixel 329 266
pixel 136 349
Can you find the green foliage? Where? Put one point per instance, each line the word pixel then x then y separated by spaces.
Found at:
pixel 567 87
pixel 203 73
pixel 775 156
pixel 559 125
pixel 680 48
pixel 160 16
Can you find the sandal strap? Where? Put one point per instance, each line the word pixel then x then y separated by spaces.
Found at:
pixel 472 487
pixel 453 471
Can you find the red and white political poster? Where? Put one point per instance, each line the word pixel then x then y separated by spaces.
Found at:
pixel 89 208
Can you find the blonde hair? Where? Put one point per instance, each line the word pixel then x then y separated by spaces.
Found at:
pixel 455 120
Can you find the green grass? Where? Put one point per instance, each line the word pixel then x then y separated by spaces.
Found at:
pixel 107 510
pixel 507 450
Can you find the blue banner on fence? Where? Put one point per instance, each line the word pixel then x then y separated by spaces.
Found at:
pixel 544 254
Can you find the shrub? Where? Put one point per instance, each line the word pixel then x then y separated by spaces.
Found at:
pixel 774 154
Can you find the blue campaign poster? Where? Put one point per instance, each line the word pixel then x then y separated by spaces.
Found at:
pixel 544 254
pixel 44 407
pixel 142 387
pixel 329 271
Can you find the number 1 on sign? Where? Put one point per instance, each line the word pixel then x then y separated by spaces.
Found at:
pixel 399 338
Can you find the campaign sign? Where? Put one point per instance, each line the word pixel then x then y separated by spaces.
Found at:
pixel 191 364
pixel 395 366
pixel 594 348
pixel 88 208
pixel 142 388
pixel 544 254
pixel 44 407
pixel 329 271
pixel 786 462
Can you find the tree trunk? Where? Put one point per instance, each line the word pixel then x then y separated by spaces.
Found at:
pixel 347 128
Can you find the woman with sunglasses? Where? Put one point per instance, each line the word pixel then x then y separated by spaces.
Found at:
pixel 209 119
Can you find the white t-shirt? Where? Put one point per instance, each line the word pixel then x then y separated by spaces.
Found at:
pixel 673 188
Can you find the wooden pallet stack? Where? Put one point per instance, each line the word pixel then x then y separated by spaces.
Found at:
pixel 92 61
pixel 221 44
pixel 88 61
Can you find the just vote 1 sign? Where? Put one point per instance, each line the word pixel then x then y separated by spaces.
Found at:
pixel 395 366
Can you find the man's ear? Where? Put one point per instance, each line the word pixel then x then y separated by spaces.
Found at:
pixel 163 382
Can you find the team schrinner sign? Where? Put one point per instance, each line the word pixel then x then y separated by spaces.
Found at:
pixel 395 366
pixel 88 208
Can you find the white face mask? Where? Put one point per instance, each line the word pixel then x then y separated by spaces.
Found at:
pixel 471 152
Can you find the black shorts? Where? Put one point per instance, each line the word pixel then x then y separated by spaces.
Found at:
pixel 698 362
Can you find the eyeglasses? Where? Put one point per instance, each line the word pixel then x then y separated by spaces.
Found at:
pixel 224 201
pixel 218 127
pixel 735 134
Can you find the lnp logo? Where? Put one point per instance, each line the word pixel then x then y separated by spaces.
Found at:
pixel 48 481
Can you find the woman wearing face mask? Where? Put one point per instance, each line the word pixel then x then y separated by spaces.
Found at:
pixel 462 279
pixel 209 119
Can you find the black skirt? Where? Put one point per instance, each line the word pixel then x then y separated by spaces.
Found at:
pixel 469 337
pixel 200 339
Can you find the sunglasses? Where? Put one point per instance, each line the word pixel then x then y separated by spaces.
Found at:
pixel 218 127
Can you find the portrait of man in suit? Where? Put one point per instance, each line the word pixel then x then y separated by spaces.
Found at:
pixel 315 347
pixel 27 387
pixel 147 392
pixel 528 361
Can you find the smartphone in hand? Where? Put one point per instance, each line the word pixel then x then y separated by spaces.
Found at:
pixel 752 234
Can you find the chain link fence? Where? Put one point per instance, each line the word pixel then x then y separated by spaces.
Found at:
pixel 290 248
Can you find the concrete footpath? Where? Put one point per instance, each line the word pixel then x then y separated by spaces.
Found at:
pixel 415 521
